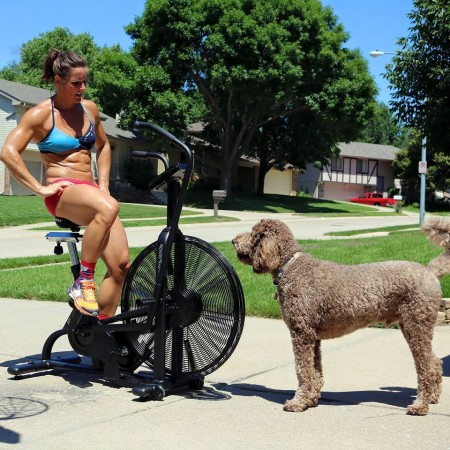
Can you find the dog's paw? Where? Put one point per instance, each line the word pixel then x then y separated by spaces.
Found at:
pixel 417 410
pixel 295 406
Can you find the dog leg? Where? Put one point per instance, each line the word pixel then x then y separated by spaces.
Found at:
pixel 428 367
pixel 309 374
pixel 318 381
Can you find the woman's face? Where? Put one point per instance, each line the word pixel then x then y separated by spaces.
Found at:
pixel 74 85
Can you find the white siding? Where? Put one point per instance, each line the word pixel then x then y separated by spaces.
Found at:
pixel 6 109
pixel 34 165
pixel 2 178
pixel 349 174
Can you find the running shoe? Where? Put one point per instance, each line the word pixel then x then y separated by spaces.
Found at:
pixel 82 292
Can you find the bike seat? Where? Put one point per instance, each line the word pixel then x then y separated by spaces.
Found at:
pixel 66 223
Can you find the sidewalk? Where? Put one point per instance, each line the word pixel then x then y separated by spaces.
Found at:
pixel 25 241
pixel 369 381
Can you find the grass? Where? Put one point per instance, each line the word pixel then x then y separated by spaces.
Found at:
pixel 395 228
pixel 30 209
pixel 27 210
pixel 34 278
pixel 282 204
pixel 157 222
pixel 47 278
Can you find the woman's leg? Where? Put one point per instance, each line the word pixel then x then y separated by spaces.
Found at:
pixel 117 260
pixel 89 206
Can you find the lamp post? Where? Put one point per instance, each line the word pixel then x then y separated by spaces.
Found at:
pixel 422 163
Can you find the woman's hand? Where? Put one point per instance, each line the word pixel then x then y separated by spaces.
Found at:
pixel 54 188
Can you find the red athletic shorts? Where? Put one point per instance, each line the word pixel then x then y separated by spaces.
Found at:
pixel 52 201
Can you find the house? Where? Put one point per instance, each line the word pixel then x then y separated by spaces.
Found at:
pixel 360 167
pixel 208 167
pixel 17 98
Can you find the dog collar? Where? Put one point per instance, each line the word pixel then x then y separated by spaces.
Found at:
pixel 281 270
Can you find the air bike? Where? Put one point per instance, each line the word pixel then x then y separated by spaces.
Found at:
pixel 182 305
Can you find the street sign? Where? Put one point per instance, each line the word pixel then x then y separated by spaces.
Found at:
pixel 422 167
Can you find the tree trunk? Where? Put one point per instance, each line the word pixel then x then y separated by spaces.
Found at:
pixel 260 184
pixel 226 178
pixel 263 169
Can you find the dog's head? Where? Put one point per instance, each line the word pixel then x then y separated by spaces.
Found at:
pixel 267 247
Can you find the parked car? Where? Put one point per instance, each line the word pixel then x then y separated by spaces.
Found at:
pixel 373 199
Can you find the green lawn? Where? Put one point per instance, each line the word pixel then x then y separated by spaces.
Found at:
pixel 34 278
pixel 281 204
pixel 30 209
pixel 47 278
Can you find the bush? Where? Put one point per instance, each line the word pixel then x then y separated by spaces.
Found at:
pixel 140 172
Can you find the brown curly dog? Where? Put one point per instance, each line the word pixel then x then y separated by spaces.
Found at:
pixel 315 305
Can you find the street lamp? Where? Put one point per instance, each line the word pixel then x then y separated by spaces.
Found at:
pixel 376 53
pixel 422 163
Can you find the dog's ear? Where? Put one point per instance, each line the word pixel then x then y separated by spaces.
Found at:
pixel 267 258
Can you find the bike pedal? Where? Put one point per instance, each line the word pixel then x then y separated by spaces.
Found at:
pixel 122 351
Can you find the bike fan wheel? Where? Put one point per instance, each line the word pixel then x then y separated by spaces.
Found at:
pixel 204 307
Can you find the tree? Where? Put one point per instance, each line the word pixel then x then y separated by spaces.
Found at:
pixel 406 165
pixel 111 75
pixel 33 53
pixel 420 74
pixel 112 79
pixel 439 172
pixel 254 63
pixel 406 168
pixel 384 129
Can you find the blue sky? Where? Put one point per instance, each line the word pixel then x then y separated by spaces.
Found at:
pixel 372 24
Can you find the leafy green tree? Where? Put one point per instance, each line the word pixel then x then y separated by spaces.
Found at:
pixel 254 63
pixel 34 52
pixel 439 173
pixel 384 128
pixel 406 166
pixel 112 79
pixel 420 73
pixel 111 70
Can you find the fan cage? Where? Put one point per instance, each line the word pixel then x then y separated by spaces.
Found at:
pixel 214 330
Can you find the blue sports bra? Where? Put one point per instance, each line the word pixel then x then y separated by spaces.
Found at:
pixel 57 141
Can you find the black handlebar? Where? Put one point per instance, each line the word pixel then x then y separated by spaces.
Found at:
pixel 172 139
pixel 151 126
pixel 148 155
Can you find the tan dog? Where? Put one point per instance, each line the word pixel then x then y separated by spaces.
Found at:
pixel 316 304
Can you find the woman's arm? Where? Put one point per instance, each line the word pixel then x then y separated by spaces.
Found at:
pixel 103 149
pixel 16 143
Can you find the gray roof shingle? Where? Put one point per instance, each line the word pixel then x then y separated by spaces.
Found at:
pixel 365 150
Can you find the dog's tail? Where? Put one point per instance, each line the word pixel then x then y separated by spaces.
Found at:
pixel 437 230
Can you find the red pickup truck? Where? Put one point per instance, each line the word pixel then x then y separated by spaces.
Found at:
pixel 374 199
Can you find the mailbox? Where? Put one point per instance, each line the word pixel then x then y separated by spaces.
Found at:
pixel 217 197
pixel 398 203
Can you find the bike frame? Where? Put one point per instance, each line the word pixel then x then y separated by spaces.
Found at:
pixel 104 347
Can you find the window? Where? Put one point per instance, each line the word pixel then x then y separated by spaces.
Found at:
pixel 362 165
pixel 337 163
